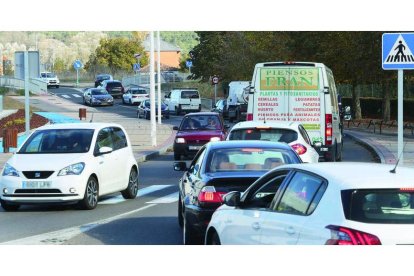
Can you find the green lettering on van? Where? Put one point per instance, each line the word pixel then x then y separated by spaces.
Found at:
pixel 289 79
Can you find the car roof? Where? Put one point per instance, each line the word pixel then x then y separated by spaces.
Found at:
pixel 358 175
pixel 79 126
pixel 254 124
pixel 248 144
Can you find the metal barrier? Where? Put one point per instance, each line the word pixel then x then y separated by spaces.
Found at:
pixel 36 86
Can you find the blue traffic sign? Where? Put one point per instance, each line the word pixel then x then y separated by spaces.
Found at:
pixel 137 66
pixel 189 63
pixel 397 51
pixel 77 64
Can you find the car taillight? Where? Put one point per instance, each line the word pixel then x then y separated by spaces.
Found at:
pixel 208 194
pixel 328 129
pixel 249 117
pixel 134 96
pixel 347 236
pixel 299 148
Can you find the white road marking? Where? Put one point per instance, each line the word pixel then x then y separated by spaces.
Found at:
pixel 141 192
pixel 165 199
pixel 61 236
pixel 76 95
pixel 65 96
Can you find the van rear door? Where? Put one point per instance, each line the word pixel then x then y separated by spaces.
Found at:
pixel 190 100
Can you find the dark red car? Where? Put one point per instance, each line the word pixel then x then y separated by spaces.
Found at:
pixel 197 129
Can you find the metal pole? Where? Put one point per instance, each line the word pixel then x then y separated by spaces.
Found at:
pixel 159 75
pixel 26 93
pixel 77 77
pixel 400 117
pixel 152 93
pixel 215 94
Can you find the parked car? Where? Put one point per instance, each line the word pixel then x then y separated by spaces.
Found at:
pixel 70 163
pixel 50 78
pixel 221 108
pixel 101 77
pixel 218 168
pixel 135 95
pixel 114 88
pixel 171 76
pixel 97 96
pixel 317 204
pixel 292 133
pixel 144 110
pixel 197 129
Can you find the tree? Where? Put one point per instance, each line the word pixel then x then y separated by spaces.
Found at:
pixel 117 54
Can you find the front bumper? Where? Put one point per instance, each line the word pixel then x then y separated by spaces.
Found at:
pixel 187 148
pixel 54 189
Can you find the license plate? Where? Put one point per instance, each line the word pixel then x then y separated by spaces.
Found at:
pixel 36 184
pixel 194 147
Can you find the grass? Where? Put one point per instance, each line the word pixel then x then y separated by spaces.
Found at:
pixel 10 103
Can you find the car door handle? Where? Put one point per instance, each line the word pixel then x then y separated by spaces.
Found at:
pixel 256 226
pixel 290 230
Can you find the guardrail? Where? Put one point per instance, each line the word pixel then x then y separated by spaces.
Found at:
pixel 36 86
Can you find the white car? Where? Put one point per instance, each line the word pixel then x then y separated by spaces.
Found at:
pixel 70 163
pixel 135 95
pixel 50 78
pixel 317 204
pixel 292 133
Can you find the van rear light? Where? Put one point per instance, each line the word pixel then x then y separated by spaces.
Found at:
pixel 328 129
pixel 249 117
pixel 208 194
pixel 299 148
pixel 347 236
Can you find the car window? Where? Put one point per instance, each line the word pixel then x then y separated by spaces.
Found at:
pixel 385 206
pixel 104 139
pixel 197 164
pixel 189 94
pixel 264 134
pixel 118 138
pixel 114 84
pixel 263 196
pixel 300 194
pixel 304 135
pixel 58 141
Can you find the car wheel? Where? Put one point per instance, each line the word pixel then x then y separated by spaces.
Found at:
pixel 90 103
pixel 177 156
pixel 189 235
pixel 9 206
pixel 339 155
pixel 167 117
pixel 123 101
pixel 131 191
pixel 130 102
pixel 215 240
pixel 147 115
pixel 84 102
pixel 138 116
pixel 90 199
pixel 180 212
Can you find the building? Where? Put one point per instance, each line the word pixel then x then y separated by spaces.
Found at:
pixel 170 54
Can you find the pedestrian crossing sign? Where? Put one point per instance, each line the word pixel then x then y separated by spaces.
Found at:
pixel 397 51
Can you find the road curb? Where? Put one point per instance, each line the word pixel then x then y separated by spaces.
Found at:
pixel 386 156
pixel 151 154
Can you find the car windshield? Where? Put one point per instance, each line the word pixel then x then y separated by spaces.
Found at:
pixel 201 122
pixel 249 159
pixel 99 92
pixel 58 141
pixel 264 134
pixel 385 206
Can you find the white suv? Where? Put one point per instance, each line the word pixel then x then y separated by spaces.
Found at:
pixel 50 78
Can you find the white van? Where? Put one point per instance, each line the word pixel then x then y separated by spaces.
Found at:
pixel 183 100
pixel 302 92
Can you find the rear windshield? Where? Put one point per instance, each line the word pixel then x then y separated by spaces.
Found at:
pixel 58 141
pixel 271 134
pixel 114 84
pixel 385 206
pixel 249 159
pixel 139 92
pixel 189 94
pixel 103 77
pixel 48 75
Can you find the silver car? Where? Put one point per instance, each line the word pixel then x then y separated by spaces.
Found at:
pixel 97 96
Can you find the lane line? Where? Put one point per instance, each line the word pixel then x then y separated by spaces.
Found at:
pixel 65 96
pixel 141 192
pixel 76 95
pixel 61 236
pixel 165 199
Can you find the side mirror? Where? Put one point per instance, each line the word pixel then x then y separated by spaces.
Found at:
pixel 175 127
pixel 105 150
pixel 180 166
pixel 232 199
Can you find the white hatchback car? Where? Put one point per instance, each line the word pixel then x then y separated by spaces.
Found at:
pixel 324 203
pixel 135 95
pixel 292 133
pixel 72 163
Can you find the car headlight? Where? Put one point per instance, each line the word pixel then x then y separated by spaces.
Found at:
pixel 74 169
pixel 214 139
pixel 10 171
pixel 180 141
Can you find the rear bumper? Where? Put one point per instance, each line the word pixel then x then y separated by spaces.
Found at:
pixel 198 218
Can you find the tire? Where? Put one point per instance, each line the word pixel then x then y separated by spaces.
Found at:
pixel 84 102
pixel 9 207
pixel 177 156
pixel 132 190
pixel 147 115
pixel 332 157
pixel 199 108
pixel 90 199
pixel 138 115
pixel 339 155
pixel 130 101
pixel 215 239
pixel 123 101
pixel 189 235
pixel 180 212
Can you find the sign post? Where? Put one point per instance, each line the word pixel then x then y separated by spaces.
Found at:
pixel 397 55
pixel 137 67
pixel 189 64
pixel 215 81
pixel 77 65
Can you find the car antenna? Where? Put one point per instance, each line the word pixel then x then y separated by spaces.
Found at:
pixel 91 118
pixel 398 160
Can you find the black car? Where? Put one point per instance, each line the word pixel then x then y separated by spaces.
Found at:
pixel 114 88
pixel 101 77
pixel 144 110
pixel 218 168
